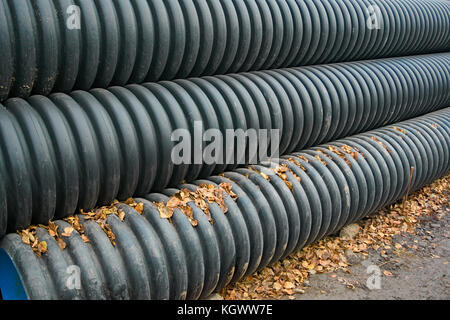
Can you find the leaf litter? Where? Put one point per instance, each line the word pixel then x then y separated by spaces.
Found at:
pixel 283 277
pixel 201 197
pixel 327 255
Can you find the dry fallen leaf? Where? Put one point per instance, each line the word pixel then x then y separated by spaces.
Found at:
pixel 67 232
pixel 164 212
pixel 139 208
pixel 297 163
pixel 400 130
pixel 42 247
pixel 228 189
pixel 202 197
pixel 52 229
pixel 289 285
pixel 121 215
pixel 25 238
pixel 30 238
pixel 321 160
pixel 387 273
pixel 61 244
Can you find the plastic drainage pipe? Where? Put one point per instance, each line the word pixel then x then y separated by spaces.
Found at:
pixel 11 286
pixel 60 46
pixel 64 152
pixel 322 190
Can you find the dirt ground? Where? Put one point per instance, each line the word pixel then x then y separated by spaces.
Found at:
pixel 422 273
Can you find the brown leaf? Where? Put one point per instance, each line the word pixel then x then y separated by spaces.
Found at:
pixel 62 245
pixel 30 235
pixel 25 238
pixel 400 130
pixel 67 232
pixel 42 247
pixel 139 208
pixel 265 176
pixel 193 222
pixel 52 229
pixel 277 286
pixel 289 285
pixel 387 273
pixel 325 263
pixel 164 212
pixel 121 215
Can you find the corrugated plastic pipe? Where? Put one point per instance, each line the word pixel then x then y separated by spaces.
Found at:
pixel 62 45
pixel 73 151
pixel 319 191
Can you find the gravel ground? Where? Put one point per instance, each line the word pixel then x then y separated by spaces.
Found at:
pixel 423 273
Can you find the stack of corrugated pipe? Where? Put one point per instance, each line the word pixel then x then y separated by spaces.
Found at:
pixel 92 91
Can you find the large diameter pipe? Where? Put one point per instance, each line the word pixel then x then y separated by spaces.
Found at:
pixel 281 206
pixel 63 45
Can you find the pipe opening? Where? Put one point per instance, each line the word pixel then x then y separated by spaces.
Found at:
pixel 11 286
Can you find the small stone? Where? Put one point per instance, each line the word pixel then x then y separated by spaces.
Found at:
pixel 297 290
pixel 350 231
pixel 352 257
pixel 215 296
pixel 435 225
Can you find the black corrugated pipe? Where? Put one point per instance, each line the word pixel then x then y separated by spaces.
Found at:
pixel 281 207
pixel 73 151
pixel 61 45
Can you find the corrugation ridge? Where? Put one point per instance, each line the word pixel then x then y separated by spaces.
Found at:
pixel 115 45
pixel 266 201
pixel 94 147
